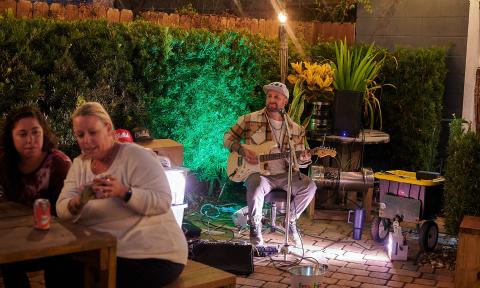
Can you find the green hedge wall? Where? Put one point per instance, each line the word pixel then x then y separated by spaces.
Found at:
pixel 413 110
pixel 187 86
pixel 192 85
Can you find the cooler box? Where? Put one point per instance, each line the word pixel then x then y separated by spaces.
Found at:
pixel 178 211
pixel 401 192
pixel 168 148
pixel 177 180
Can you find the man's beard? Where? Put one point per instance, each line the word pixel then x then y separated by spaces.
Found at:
pixel 276 109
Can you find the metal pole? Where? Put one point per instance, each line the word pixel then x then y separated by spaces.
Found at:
pixel 282 34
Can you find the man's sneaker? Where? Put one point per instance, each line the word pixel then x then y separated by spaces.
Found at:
pixel 293 235
pixel 256 238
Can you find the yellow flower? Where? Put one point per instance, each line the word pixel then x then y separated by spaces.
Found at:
pixel 297 67
pixel 318 77
pixel 292 78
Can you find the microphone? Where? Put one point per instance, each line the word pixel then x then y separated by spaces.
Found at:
pixel 282 112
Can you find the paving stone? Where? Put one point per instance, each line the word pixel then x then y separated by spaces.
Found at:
pixel 380 275
pixel 350 259
pixel 268 270
pixel 337 262
pixel 342 276
pixel 424 281
pixel 377 269
pixel 368 285
pixel 404 272
pixel 426 269
pixel 412 285
pixel 377 263
pixel 370 280
pixel 395 284
pixel 410 266
pixel 443 278
pixel 329 280
pixel 353 271
pixel 400 278
pixel 275 285
pixel 355 249
pixel 251 282
pixel 346 283
pixel 445 284
pixel 356 266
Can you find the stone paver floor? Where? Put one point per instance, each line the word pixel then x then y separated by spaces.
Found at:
pixel 363 263
pixel 351 263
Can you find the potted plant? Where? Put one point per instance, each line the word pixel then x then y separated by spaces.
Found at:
pixel 313 83
pixel 356 69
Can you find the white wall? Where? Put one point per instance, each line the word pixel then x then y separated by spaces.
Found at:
pixel 472 62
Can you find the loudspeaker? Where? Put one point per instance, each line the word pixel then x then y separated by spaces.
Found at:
pixel 236 258
pixel 347 113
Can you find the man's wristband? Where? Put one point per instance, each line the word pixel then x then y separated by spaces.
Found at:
pixel 127 196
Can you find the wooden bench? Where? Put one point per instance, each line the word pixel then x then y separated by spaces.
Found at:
pixel 198 275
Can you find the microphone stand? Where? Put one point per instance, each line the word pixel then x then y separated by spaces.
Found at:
pixel 292 160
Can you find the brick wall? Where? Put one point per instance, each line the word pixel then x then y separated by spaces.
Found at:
pixel 310 32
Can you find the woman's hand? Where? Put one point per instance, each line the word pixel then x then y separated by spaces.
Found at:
pixel 108 187
pixel 75 205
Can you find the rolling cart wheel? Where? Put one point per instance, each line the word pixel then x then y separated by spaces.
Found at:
pixel 379 229
pixel 428 235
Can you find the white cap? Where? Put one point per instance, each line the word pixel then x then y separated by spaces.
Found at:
pixel 278 87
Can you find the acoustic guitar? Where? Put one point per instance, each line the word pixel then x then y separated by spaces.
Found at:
pixel 238 169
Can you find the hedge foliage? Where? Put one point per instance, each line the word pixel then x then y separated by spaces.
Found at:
pixel 462 176
pixel 411 108
pixel 189 86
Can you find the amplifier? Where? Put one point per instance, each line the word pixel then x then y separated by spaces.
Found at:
pixel 233 257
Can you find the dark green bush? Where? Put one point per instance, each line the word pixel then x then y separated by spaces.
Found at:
pixel 187 86
pixel 462 175
pixel 413 110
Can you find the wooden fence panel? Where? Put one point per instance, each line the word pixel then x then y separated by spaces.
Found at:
pixel 24 9
pixel 309 32
pixel 40 9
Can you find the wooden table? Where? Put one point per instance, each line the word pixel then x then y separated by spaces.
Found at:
pixel 19 241
pixel 198 275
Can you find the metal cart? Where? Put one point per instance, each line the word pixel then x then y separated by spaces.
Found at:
pixel 403 197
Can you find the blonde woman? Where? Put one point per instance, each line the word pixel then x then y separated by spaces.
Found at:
pixel 128 196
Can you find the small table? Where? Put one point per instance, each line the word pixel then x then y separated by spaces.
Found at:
pixel 349 153
pixel 350 156
pixel 19 241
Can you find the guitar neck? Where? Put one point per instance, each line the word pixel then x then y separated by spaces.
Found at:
pixel 276 156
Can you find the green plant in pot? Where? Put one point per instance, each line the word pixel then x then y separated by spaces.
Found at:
pixel 356 69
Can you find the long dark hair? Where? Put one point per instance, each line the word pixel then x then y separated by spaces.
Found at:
pixel 9 156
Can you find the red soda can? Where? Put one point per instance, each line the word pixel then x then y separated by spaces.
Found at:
pixel 41 214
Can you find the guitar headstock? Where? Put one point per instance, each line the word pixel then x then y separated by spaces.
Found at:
pixel 325 151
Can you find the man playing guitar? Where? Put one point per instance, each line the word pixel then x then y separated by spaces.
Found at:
pixel 259 127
